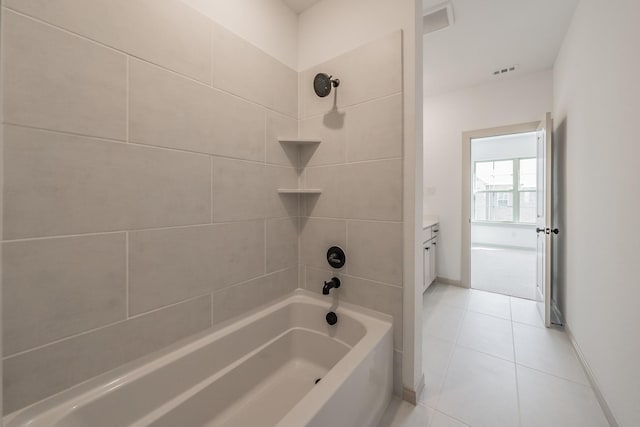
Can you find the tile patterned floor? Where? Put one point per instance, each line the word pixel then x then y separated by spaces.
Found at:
pixel 490 362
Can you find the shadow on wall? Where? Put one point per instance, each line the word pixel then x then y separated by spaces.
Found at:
pixel 334 119
pixel 559 244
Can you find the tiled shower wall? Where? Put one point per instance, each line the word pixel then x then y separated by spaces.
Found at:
pixel 358 166
pixel 141 166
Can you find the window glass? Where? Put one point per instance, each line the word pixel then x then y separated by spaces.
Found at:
pixel 528 174
pixel 493 176
pixel 501 196
pixel 528 206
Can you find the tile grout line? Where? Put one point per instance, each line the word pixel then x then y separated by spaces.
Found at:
pixel 98 328
pixel 126 264
pixel 264 230
pixel 168 227
pixel 515 365
pixel 211 311
pixel 145 145
pixel 450 359
pixel 211 162
pixel 127 99
pixel 209 85
pixel 354 105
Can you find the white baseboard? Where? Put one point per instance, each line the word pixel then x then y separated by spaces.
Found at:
pixel 413 396
pixel 592 380
pixel 450 282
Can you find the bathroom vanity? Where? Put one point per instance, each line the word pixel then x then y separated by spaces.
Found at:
pixel 430 232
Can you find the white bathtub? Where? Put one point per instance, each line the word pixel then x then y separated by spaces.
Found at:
pixel 257 371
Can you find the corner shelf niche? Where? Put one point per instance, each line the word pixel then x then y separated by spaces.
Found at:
pixel 299 191
pixel 299 143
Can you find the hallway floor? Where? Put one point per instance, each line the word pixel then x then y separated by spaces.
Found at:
pixel 504 270
pixel 489 361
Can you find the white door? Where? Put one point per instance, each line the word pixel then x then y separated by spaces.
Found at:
pixel 543 215
pixel 434 260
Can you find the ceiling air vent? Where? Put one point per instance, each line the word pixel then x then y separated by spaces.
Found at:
pixel 437 18
pixel 505 70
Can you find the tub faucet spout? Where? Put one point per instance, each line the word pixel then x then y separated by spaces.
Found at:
pixel 333 283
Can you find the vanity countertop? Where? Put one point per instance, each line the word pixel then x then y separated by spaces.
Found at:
pixel 429 221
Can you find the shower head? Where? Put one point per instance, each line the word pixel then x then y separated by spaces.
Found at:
pixel 322 84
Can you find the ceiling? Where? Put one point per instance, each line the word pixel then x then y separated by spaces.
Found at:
pixel 491 34
pixel 299 6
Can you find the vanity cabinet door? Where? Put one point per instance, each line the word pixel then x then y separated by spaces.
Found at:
pixel 427 267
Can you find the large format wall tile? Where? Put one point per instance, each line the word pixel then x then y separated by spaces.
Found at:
pixel 318 235
pixel 331 130
pixel 373 70
pixel 376 296
pixel 54 288
pixel 278 126
pixel 239 252
pixel 54 80
pixel 59 184
pixel 282 243
pixel 36 374
pixel 375 251
pixel 239 190
pixel 374 130
pixel 368 72
pixel 172 111
pixel 281 205
pixel 333 182
pixel 168 33
pixel 245 70
pixel 171 265
pixel 240 298
pixel 374 190
pixel 367 190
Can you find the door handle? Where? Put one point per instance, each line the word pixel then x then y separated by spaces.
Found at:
pixel 540 230
pixel 555 231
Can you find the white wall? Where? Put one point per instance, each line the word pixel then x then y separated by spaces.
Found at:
pixel 516 100
pixel 255 22
pixel 597 101
pixel 520 145
pixel 514 236
pixel 333 27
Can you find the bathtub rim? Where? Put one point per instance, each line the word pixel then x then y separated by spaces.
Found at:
pixel 63 402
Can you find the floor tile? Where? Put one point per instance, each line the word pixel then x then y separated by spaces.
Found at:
pixel 487 334
pixel 442 420
pixel 435 360
pixel 442 321
pixel 403 414
pixel 525 311
pixel 546 400
pixel 439 294
pixel 547 350
pixel 480 390
pixel 490 303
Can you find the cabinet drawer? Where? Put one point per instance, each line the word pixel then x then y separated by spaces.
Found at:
pixel 426 234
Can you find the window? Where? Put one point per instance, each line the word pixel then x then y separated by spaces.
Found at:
pixel 505 191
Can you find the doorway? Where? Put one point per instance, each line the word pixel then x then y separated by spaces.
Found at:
pixel 499 198
pixel 503 214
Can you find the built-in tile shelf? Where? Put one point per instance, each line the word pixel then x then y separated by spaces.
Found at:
pixel 300 141
pixel 299 191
